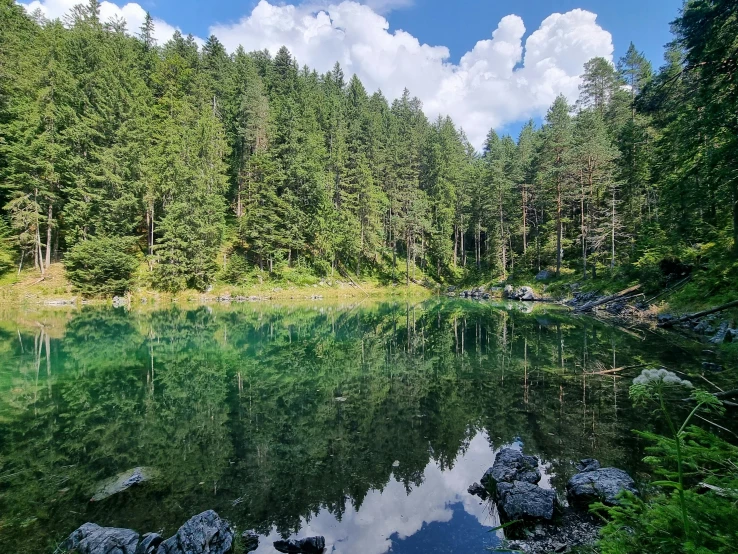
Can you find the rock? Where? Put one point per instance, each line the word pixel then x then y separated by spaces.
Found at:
pixel 511 465
pixel 451 288
pixel 201 534
pixel 310 545
pixel 703 327
pixel 478 490
pixel 313 545
pixel 93 539
pixel 507 292
pixel 250 540
pixel 543 275
pixel 149 543
pixel 524 500
pixel 588 464
pixel 123 481
pixel 709 366
pixel 665 318
pixel 602 484
pixel 288 546
pixel 523 293
pixel 721 334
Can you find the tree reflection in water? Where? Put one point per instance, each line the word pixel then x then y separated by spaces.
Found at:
pixel 288 419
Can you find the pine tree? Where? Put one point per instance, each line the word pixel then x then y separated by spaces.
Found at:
pixel 555 171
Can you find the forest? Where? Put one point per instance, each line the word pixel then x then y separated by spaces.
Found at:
pixel 187 166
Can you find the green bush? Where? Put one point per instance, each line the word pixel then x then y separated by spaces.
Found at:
pixel 102 265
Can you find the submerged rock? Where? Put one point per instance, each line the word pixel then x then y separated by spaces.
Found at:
pixel 123 481
pixel 309 545
pixel 204 533
pixel 93 539
pixel 593 483
pixel 511 465
pixel 250 540
pixel 521 500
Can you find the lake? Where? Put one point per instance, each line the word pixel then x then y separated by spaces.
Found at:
pixel 362 422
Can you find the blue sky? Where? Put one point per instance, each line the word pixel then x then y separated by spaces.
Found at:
pixel 458 24
pixel 486 63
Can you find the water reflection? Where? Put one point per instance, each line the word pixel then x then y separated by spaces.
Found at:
pixel 288 419
pixel 388 517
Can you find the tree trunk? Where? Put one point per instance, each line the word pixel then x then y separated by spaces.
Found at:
pixel 612 237
pixel 735 217
pixel 584 231
pixel 558 227
pixel 525 222
pixel 49 223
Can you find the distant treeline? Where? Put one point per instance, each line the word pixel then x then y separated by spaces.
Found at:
pixel 213 165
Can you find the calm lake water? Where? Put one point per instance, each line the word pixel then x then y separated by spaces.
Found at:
pixel 364 423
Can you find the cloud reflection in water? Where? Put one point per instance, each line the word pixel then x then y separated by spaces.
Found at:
pixel 387 517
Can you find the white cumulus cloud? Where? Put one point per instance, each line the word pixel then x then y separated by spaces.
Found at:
pixel 504 79
pixel 132 12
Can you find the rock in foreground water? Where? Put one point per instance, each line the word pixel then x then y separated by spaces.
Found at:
pixel 204 533
pixel 93 539
pixel 310 545
pixel 521 500
pixel 511 481
pixel 511 465
pixel 593 483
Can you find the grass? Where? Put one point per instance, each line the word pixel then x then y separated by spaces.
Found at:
pixel 30 288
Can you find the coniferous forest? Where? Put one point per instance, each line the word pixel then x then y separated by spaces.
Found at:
pixel 118 153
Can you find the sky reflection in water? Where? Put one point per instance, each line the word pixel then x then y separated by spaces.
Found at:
pixel 236 408
pixel 439 515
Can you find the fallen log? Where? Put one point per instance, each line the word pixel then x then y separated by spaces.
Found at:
pixel 697 315
pixel 617 296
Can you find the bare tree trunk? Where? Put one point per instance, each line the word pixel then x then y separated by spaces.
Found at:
pixel 49 221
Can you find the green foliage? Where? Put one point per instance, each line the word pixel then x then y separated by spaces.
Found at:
pixel 7 254
pixel 102 265
pixel 692 509
pixel 109 134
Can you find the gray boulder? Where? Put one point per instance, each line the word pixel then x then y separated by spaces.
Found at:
pixel 523 500
pixel 543 275
pixel 511 465
pixel 149 543
pixel 204 533
pixel 594 483
pixel 93 539
pixel 309 545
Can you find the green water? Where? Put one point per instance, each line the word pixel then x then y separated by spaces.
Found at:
pixel 364 423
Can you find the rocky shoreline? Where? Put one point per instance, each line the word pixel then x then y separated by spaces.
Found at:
pixel 205 533
pixel 537 520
